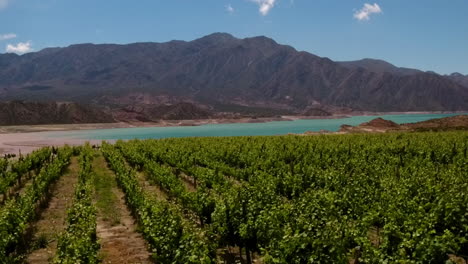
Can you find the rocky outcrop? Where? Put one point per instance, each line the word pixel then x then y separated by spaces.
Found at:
pixel 380 123
pixel 459 122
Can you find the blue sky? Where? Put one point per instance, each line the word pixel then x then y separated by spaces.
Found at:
pixel 423 34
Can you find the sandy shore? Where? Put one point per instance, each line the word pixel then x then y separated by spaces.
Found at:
pixel 169 123
pixel 162 123
pixel 26 138
pixel 14 143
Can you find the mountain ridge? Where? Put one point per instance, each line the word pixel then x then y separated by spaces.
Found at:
pixel 220 70
pixel 218 35
pixel 379 66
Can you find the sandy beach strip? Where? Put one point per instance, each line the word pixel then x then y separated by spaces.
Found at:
pixel 197 122
pixel 15 143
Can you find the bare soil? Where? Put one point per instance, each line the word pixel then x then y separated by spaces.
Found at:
pixel 155 190
pixel 120 241
pixel 232 255
pixel 52 220
pixel 457 259
pixel 188 181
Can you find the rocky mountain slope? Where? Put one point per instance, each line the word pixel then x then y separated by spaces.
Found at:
pixel 34 113
pixel 151 113
pixel 378 66
pixel 221 73
pixel 459 78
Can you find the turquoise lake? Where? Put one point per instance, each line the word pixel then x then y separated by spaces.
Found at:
pixel 244 129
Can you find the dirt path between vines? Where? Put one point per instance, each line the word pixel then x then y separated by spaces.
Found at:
pixel 116 228
pixel 153 189
pixel 228 255
pixel 52 220
pixel 189 182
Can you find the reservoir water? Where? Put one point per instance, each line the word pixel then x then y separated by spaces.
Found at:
pixel 239 129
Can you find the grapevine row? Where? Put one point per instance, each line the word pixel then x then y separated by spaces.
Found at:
pixel 13 172
pixel 78 244
pixel 367 198
pixel 163 227
pixel 16 214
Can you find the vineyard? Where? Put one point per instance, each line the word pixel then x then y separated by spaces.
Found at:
pixel 387 198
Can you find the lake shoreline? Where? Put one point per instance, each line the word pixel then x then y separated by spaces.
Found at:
pixel 28 138
pixel 24 143
pixel 196 122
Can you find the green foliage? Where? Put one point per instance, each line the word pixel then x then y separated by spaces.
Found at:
pixel 323 199
pixel 163 226
pixel 387 198
pixel 78 244
pixel 12 172
pixel 16 214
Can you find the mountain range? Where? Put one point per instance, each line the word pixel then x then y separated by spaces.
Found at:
pixel 220 74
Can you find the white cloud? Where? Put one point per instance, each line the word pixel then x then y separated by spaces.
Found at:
pixel 264 6
pixel 230 9
pixel 20 48
pixel 7 36
pixel 4 3
pixel 366 11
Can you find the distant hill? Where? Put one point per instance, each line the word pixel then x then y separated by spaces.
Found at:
pixel 458 122
pixel 33 113
pixel 221 73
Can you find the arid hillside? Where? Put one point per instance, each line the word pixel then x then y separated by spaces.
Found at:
pixel 459 122
pixel 36 113
pixel 224 74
